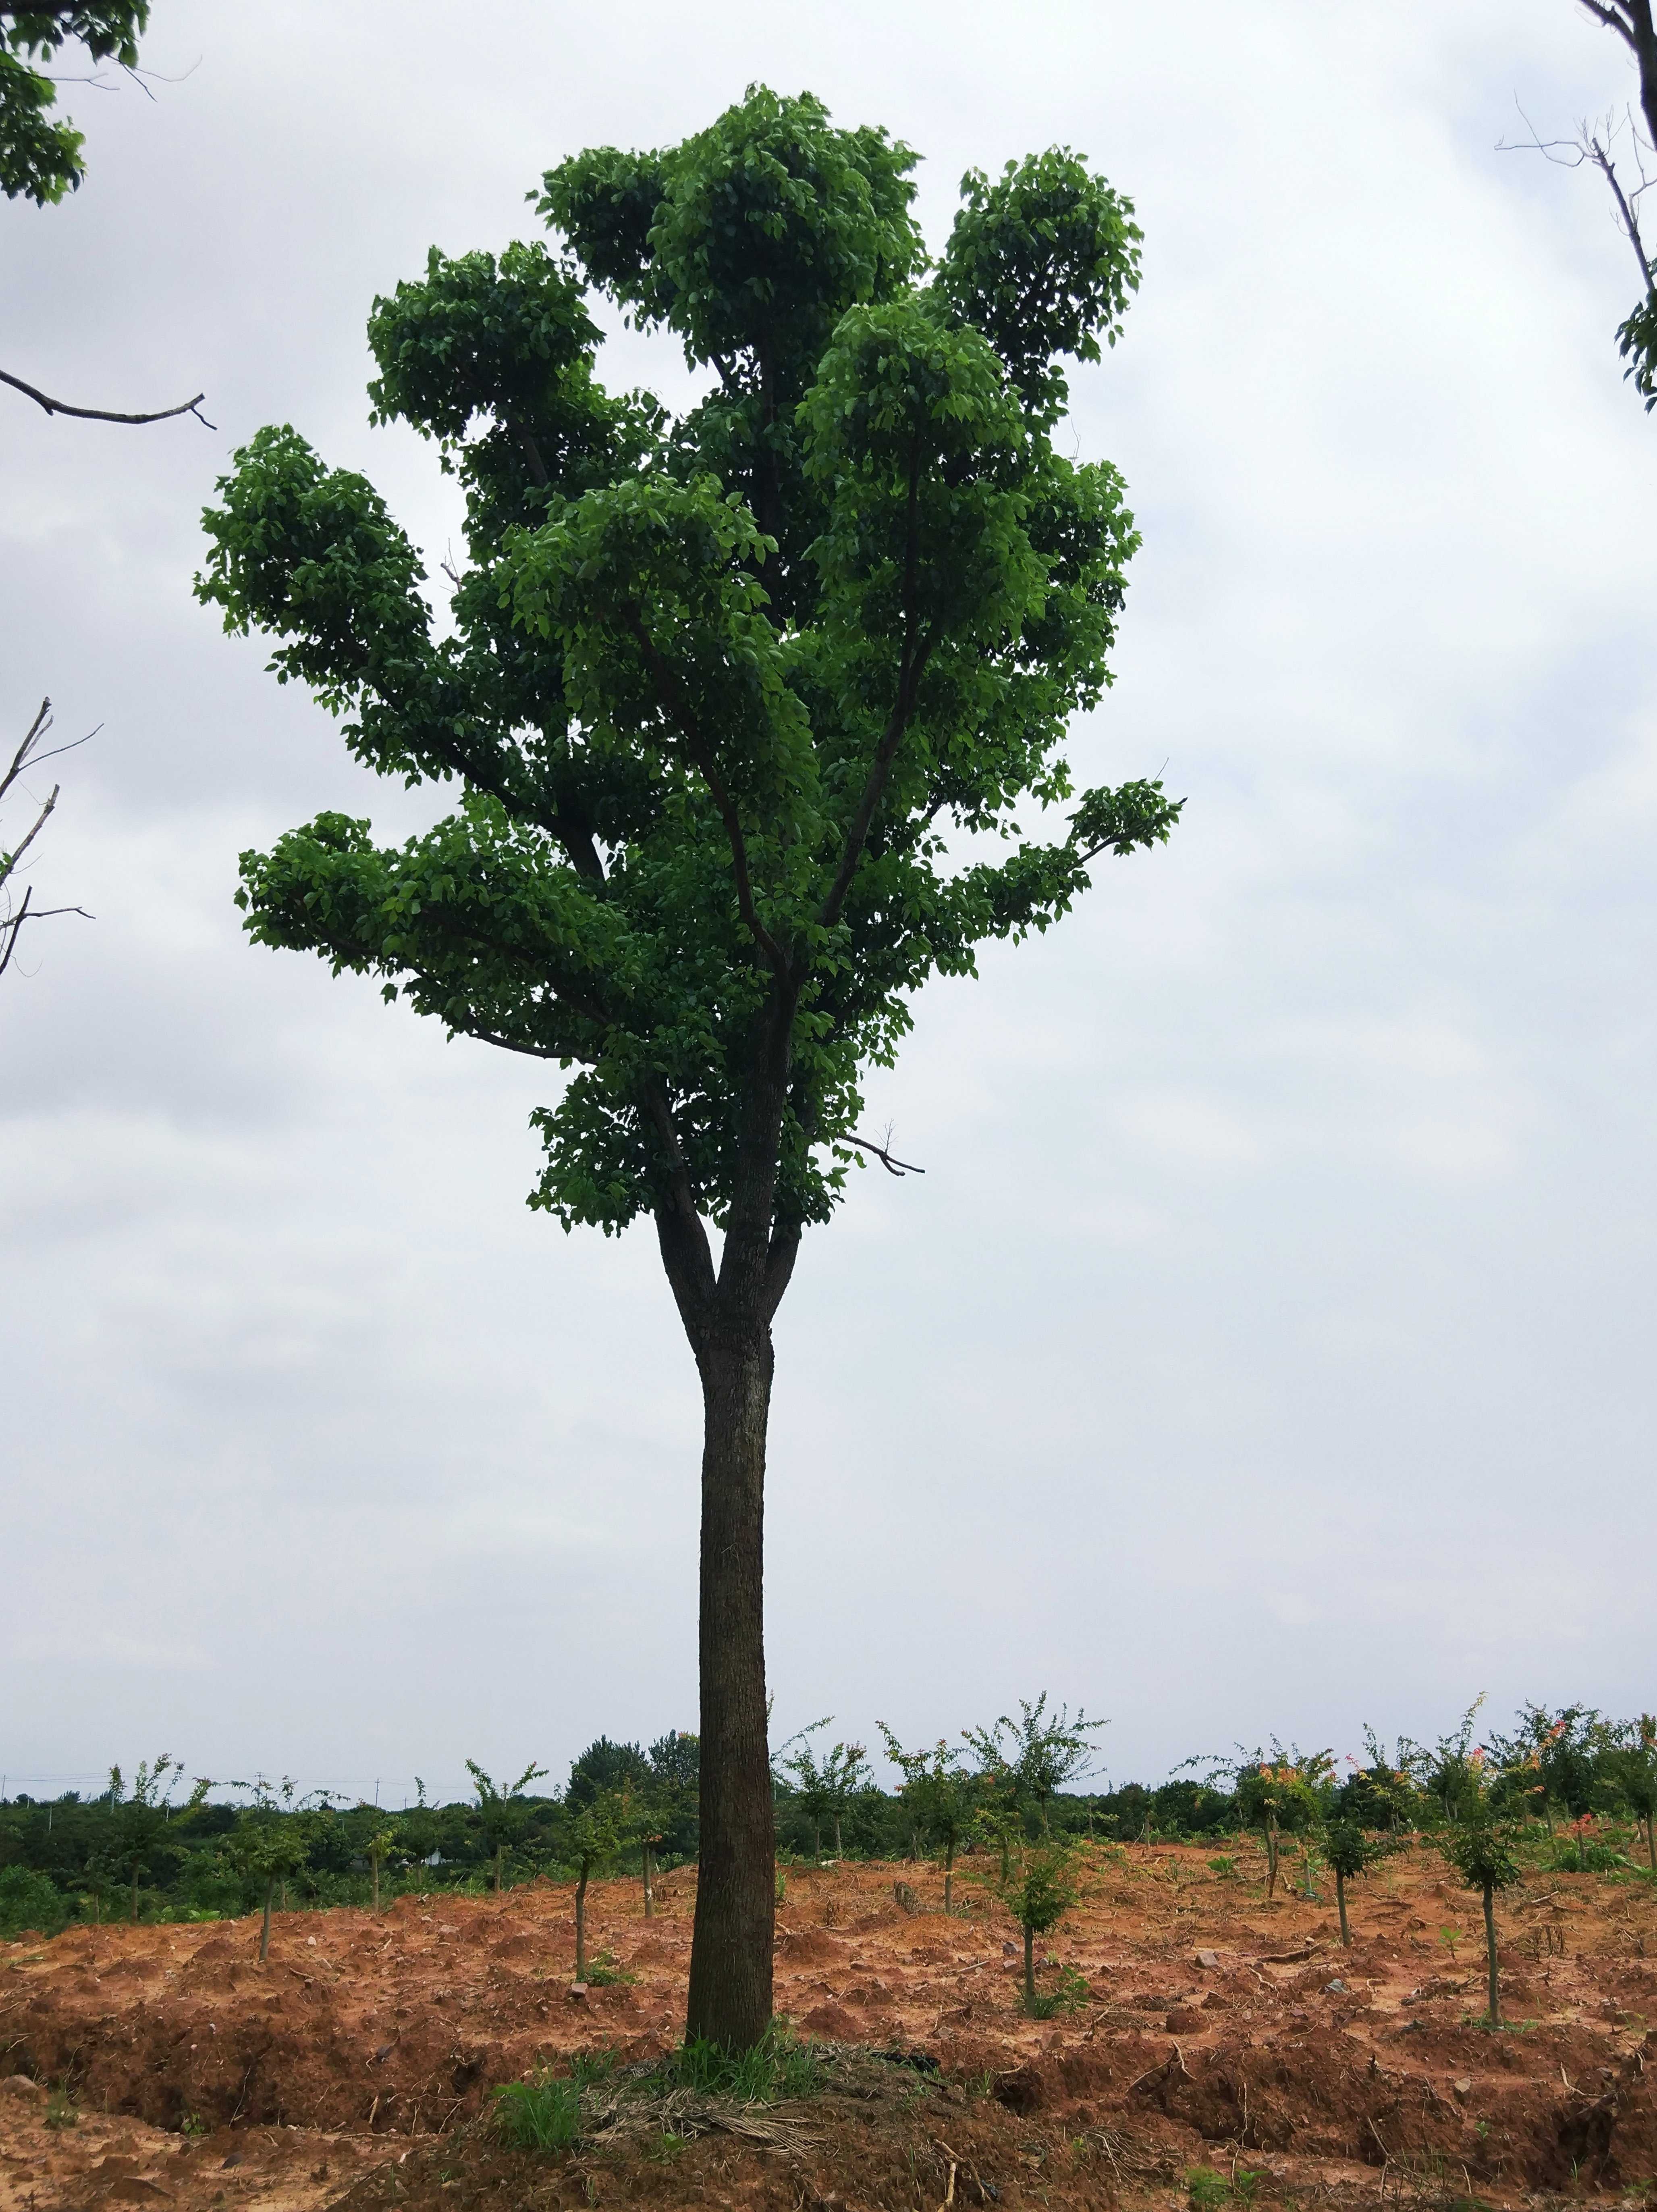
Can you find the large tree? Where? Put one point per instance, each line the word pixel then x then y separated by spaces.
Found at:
pixel 717 692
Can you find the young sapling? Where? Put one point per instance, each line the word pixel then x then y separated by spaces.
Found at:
pixel 1351 1853
pixel 591 1841
pixel 1038 1888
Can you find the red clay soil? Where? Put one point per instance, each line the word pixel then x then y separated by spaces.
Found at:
pixel 1217 2030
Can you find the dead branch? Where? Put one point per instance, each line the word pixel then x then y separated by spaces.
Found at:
pixel 106 414
pixel 893 1167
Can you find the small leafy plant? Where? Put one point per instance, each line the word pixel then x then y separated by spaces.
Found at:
pixel 545 2115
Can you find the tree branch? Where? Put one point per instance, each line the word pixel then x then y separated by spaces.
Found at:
pixel 911 664
pixel 670 694
pixel 8 860
pixel 893 1167
pixel 680 1229
pixel 1607 169
pixel 37 728
pixel 105 414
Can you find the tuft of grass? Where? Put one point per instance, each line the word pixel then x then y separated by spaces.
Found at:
pixel 1070 1995
pixel 1207 2191
pixel 60 2109
pixel 778 2067
pixel 543 2115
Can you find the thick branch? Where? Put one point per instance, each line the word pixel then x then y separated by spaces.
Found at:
pixel 105 414
pixel 669 693
pixel 679 1227
pixel 1632 22
pixel 911 664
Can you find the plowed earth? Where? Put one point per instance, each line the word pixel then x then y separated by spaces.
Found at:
pixel 1218 2030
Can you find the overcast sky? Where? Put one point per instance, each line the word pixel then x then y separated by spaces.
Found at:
pixel 1268 1345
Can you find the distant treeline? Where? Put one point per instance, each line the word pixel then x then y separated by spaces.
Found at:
pixel 153 1847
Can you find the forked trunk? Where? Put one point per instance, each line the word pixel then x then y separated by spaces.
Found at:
pixel 1490 1948
pixel 581 1924
pixel 729 2001
pixel 1340 1904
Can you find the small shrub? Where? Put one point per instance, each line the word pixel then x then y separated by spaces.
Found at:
pixel 1070 1995
pixel 541 2115
pixel 60 2109
pixel 603 1972
pixel 1206 2191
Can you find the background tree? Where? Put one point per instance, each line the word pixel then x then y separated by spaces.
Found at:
pixel 1632 1766
pixel 606 1765
pixel 40 152
pixel 139 1815
pixel 501 1813
pixel 675 1767
pixel 717 692
pixel 939 1795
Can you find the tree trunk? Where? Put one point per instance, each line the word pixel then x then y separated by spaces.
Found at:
pixel 1029 1970
pixel 1489 1947
pixel 264 1931
pixel 649 1898
pixel 949 1877
pixel 1651 1840
pixel 581 1925
pixel 135 1897
pixel 499 1853
pixel 1270 1857
pixel 839 1848
pixel 374 1863
pixel 728 2000
pixel 1340 1905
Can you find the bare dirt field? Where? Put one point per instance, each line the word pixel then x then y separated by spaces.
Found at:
pixel 166 2066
